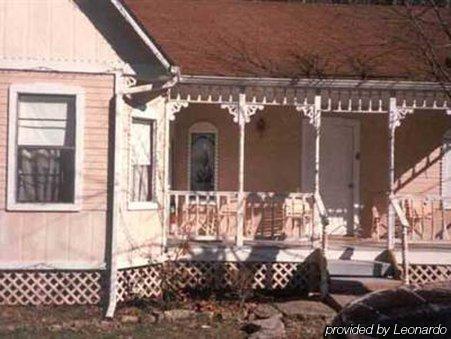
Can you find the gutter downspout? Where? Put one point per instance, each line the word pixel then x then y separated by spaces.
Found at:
pixel 118 103
pixel 119 92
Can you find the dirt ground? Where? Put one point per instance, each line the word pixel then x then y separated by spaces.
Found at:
pixel 202 319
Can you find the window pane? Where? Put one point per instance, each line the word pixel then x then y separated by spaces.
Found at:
pixel 141 158
pixel 202 161
pixel 141 183
pixel 47 120
pixel 45 148
pixel 45 175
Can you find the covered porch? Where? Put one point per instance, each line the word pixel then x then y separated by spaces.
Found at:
pixel 265 163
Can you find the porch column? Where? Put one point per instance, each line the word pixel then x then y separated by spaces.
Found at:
pixel 171 107
pixel 321 209
pixel 241 201
pixel 313 113
pixel 317 125
pixel 241 112
pixel 391 174
pixel 396 114
pixel 167 179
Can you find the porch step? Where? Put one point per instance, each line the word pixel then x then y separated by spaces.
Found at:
pixel 357 268
pixel 343 290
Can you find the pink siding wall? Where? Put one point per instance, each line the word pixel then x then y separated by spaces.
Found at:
pixel 418 158
pixel 76 237
pixel 272 157
pixel 140 230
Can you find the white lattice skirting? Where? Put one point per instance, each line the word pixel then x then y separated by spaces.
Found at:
pixel 139 282
pixel 229 275
pixel 150 281
pixel 427 273
pixel 50 287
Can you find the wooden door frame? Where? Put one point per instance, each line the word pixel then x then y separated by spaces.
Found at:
pixel 355 124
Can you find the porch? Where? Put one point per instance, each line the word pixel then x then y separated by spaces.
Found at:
pixel 302 164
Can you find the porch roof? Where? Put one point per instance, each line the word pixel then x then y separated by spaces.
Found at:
pixel 279 39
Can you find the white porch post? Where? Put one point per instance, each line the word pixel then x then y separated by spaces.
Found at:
pixel 241 113
pixel 313 113
pixel 391 173
pixel 171 107
pixel 241 201
pixel 396 114
pixel 317 125
pixel 166 179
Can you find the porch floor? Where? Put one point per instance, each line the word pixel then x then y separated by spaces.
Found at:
pixel 343 248
pixel 334 242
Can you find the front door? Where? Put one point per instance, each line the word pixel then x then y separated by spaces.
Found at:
pixel 202 161
pixel 339 171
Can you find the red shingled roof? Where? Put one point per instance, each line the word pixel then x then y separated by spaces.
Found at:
pixel 277 39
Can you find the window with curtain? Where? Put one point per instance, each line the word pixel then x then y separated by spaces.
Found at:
pixel 45 170
pixel 141 160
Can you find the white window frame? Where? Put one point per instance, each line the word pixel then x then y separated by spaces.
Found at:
pixel 45 89
pixel 203 127
pixel 446 159
pixel 149 113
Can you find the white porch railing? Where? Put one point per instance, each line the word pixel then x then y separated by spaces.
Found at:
pixel 429 217
pixel 278 216
pixel 324 220
pixel 267 216
pixel 203 215
pixel 400 214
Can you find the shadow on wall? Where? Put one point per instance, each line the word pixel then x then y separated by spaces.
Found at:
pixel 121 37
pixel 419 149
pixel 419 156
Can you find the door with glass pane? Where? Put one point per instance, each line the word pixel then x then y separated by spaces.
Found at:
pixel 202 161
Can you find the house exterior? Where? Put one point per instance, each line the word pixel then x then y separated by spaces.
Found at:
pixel 129 127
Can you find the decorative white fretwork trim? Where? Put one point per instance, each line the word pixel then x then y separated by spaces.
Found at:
pixel 130 81
pixel 233 110
pixel 398 114
pixel 310 112
pixel 248 110
pixel 174 107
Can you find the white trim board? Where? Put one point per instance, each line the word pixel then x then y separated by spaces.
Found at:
pixel 313 83
pixel 142 33
pixel 38 65
pixel 51 265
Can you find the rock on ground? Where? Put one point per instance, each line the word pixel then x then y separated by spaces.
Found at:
pixel 129 319
pixel 272 327
pixel 306 309
pixel 265 311
pixel 178 314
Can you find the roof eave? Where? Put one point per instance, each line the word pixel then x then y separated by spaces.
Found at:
pixel 145 37
pixel 312 82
